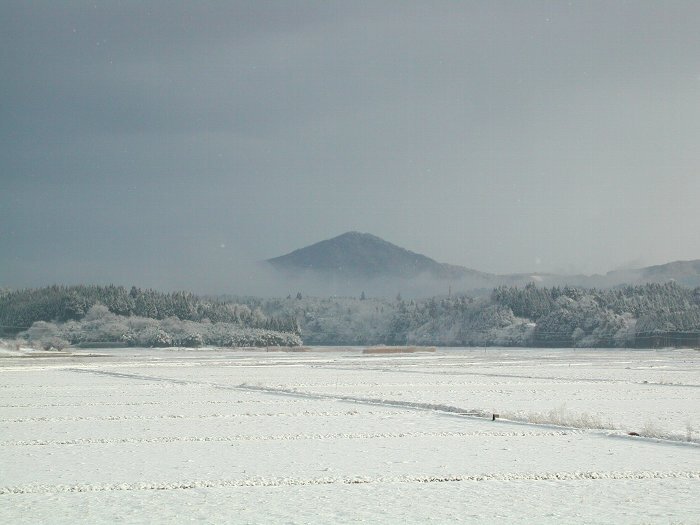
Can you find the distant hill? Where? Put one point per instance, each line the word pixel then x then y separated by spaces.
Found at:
pixel 361 255
pixel 357 261
pixel 686 273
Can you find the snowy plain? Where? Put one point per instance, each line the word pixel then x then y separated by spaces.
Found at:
pixel 338 436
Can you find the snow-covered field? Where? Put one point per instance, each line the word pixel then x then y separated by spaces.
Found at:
pixel 335 436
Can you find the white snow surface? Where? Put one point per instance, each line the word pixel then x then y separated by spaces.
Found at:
pixel 336 436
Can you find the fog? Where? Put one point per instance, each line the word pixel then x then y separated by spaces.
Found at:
pixel 176 144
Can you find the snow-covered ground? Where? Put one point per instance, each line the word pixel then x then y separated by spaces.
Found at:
pixel 335 436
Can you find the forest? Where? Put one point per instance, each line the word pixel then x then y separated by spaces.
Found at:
pixel 652 315
pixel 58 316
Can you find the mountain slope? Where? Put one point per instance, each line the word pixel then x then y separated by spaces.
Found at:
pixel 686 273
pixel 355 261
pixel 361 255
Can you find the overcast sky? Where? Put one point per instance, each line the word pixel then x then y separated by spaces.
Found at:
pixel 171 144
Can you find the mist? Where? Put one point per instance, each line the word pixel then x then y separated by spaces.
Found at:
pixel 176 145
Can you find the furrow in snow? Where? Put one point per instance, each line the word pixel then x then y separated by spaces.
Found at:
pixel 295 393
pixel 306 413
pixel 412 405
pixel 155 403
pixel 372 401
pixel 555 379
pixel 36 488
pixel 280 437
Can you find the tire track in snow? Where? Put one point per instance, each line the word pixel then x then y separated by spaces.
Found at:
pixel 411 405
pixel 141 377
pixel 36 488
pixel 282 437
pixel 395 403
pixel 305 395
pixel 457 411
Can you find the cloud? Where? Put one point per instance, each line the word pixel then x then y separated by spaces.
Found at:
pixel 481 134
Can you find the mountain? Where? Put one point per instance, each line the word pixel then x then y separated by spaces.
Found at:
pixel 354 262
pixel 686 273
pixel 357 255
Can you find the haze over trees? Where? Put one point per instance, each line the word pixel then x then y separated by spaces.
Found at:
pixel 20 308
pixel 100 327
pixel 357 261
pixel 651 315
pixel 56 316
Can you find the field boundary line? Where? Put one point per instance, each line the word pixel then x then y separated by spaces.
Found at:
pixel 35 488
pixel 280 437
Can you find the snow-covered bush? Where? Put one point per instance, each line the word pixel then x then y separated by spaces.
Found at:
pixel 102 326
pixel 52 343
pixel 97 312
pixel 154 337
pixel 46 336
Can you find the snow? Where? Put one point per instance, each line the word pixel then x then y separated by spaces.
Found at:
pixel 332 435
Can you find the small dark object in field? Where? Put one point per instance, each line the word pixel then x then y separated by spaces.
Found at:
pixel 632 434
pixel 493 417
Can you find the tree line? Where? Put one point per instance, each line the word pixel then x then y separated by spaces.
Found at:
pixel 20 309
pixel 651 315
pixel 100 327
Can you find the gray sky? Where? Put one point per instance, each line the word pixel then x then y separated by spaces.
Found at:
pixel 172 144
